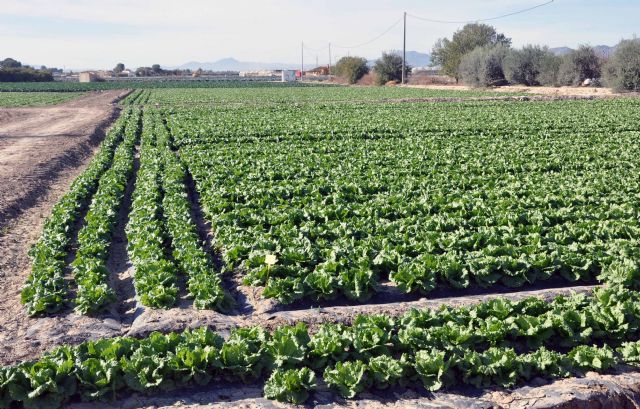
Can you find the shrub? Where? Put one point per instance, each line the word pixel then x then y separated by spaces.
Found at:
pixel 623 70
pixel 352 68
pixel 389 68
pixel 449 53
pixel 531 65
pixel 24 75
pixel 549 68
pixel 482 67
pixel 579 65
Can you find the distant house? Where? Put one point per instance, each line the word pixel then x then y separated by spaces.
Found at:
pixel 318 71
pixel 87 76
pixel 261 73
pixel 426 70
pixel 288 75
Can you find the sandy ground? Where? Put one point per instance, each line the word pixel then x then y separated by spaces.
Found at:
pixel 616 391
pixel 552 91
pixel 41 151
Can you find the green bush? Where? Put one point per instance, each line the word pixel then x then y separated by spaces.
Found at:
pixel 549 69
pixel 623 70
pixel 449 53
pixel 389 68
pixel 579 65
pixel 352 68
pixel 531 65
pixel 24 75
pixel 482 67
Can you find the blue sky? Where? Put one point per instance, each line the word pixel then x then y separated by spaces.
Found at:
pixel 98 34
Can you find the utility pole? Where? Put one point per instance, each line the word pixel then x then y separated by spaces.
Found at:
pixel 329 60
pixel 302 63
pixel 404 48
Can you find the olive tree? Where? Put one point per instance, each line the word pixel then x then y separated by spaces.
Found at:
pixel 531 65
pixel 482 67
pixel 448 53
pixel 623 69
pixel 389 68
pixel 352 68
pixel 579 65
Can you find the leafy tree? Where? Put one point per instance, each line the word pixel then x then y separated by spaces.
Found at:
pixel 530 66
pixel 144 71
pixel 156 68
pixel 623 70
pixel 579 65
pixel 352 68
pixel 482 67
pixel 24 75
pixel 118 68
pixel 389 68
pixel 448 53
pixel 10 63
pixel 549 69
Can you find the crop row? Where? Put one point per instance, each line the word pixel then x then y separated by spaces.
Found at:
pixel 315 95
pixel 59 86
pixel 161 220
pixel 45 289
pixel 24 99
pixel 90 271
pixel 498 342
pixel 155 274
pixel 205 283
pixel 137 97
pixel 312 203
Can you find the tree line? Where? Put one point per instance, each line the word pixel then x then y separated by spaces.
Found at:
pixel 12 70
pixel 480 56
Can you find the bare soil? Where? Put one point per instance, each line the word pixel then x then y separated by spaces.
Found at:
pixel 521 89
pixel 614 391
pixel 41 151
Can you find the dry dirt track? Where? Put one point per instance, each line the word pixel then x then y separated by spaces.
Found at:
pixel 41 151
pixel 38 144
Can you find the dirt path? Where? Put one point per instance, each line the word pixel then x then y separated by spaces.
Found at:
pixel 41 151
pixel 521 89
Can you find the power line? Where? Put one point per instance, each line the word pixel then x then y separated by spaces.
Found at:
pixel 404 19
pixel 316 50
pixel 373 39
pixel 481 19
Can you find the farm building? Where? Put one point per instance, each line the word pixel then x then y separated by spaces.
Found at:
pixel 87 77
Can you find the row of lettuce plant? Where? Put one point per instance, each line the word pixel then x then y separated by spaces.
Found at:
pixel 204 283
pixel 155 273
pixel 137 97
pixel 45 290
pixel 322 202
pixel 94 239
pixel 372 352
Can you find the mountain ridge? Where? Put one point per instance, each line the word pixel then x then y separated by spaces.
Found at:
pixel 414 59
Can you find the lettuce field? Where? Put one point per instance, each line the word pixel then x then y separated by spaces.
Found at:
pixel 314 197
pixel 24 99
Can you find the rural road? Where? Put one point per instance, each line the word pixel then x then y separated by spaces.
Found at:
pixel 42 150
pixel 38 144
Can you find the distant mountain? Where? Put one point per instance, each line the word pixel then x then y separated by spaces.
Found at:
pixel 231 64
pixel 604 50
pixel 561 50
pixel 418 59
pixel 601 50
pixel 414 58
